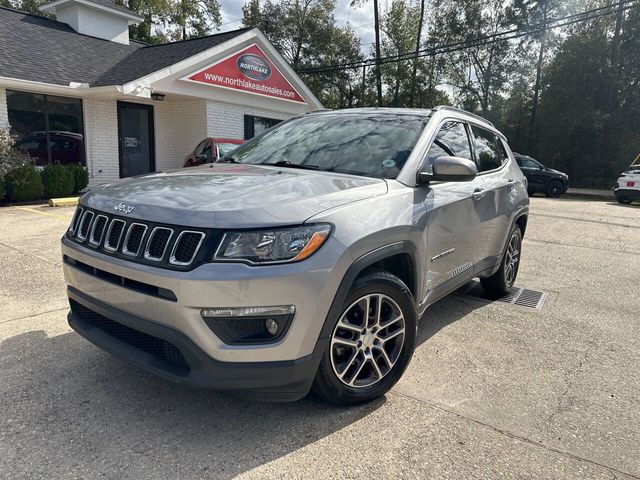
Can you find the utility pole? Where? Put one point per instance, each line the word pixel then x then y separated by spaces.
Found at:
pixel 415 60
pixel 376 20
pixel 364 83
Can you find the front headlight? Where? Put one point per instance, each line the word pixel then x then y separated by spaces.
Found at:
pixel 273 246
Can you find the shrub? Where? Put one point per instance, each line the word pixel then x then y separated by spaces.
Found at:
pixel 80 177
pixel 57 181
pixel 23 184
pixel 10 156
pixel 2 190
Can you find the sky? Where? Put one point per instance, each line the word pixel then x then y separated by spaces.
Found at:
pixel 360 19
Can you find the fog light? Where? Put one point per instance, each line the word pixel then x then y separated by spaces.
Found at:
pixel 272 326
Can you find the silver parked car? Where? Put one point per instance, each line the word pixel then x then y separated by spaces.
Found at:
pixel 305 259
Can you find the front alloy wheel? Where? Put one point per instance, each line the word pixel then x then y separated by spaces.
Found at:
pixel 367 340
pixel 371 342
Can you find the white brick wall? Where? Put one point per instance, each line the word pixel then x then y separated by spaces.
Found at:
pixel 179 126
pixel 101 137
pixel 4 116
pixel 227 121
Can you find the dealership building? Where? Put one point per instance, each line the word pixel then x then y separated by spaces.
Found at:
pixel 78 90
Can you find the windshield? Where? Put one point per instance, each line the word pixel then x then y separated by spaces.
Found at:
pixel 373 144
pixel 225 147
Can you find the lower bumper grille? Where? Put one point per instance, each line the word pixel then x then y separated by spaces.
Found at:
pixel 159 348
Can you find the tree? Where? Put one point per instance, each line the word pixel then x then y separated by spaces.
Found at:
pixel 155 14
pixel 300 29
pixel 480 72
pixel 399 26
pixel 193 18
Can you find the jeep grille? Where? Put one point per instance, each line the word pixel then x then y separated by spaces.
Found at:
pixel 164 246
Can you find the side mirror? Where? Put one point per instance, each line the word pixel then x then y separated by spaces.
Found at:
pixel 450 169
pixel 200 159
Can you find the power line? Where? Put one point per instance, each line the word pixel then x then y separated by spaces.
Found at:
pixel 479 41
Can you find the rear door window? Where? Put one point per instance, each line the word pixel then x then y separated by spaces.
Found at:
pixel 489 152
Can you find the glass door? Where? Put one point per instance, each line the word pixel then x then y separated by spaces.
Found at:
pixel 135 137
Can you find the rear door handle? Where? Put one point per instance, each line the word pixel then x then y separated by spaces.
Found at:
pixel 478 193
pixel 511 183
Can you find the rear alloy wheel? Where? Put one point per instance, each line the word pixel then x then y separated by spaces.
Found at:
pixel 554 189
pixel 499 284
pixel 371 343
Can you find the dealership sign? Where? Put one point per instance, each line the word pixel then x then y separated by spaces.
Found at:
pixel 250 71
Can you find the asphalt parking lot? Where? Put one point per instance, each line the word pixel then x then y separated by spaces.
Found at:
pixel 493 391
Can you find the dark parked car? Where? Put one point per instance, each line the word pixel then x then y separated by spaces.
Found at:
pixel 552 183
pixel 66 147
pixel 210 150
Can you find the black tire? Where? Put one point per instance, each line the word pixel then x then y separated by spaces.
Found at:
pixel 327 385
pixel 500 283
pixel 554 189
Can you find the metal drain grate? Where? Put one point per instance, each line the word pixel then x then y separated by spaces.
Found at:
pixel 523 297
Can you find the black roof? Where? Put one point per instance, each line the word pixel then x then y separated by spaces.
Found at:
pixel 43 50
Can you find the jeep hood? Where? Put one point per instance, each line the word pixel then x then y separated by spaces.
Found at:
pixel 232 196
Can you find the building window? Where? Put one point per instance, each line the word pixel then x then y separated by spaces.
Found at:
pixel 256 125
pixel 50 129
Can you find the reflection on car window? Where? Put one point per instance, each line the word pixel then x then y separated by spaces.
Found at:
pixel 487 150
pixel 451 140
pixel 207 151
pixel 225 147
pixel 374 144
pixel 526 162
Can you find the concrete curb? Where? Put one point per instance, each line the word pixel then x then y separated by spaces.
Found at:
pixel 63 202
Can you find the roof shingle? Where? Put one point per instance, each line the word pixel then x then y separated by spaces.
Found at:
pixel 44 50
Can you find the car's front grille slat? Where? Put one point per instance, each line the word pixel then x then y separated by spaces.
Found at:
pixel 133 239
pixel 114 235
pixel 97 230
pixel 165 246
pixel 85 224
pixel 158 243
pixel 186 247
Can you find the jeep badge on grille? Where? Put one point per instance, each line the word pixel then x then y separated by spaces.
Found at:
pixel 124 208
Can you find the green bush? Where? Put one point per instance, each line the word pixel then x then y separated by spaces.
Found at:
pixel 80 177
pixel 57 181
pixel 23 184
pixel 2 190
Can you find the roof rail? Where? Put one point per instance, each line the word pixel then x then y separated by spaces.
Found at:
pixel 459 110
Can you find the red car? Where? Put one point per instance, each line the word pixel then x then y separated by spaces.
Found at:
pixel 210 150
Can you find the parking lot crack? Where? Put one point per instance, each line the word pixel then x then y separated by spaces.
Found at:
pixel 11 247
pixel 570 379
pixel 501 431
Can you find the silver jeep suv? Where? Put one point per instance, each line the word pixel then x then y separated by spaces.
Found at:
pixel 304 258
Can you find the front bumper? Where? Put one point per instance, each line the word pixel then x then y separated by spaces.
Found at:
pixel 172 355
pixel 146 293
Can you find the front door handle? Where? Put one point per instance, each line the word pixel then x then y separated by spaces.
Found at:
pixel 478 193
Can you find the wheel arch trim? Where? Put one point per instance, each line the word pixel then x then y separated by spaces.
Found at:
pixel 357 267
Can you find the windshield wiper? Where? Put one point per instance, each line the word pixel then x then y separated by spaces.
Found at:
pixel 288 164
